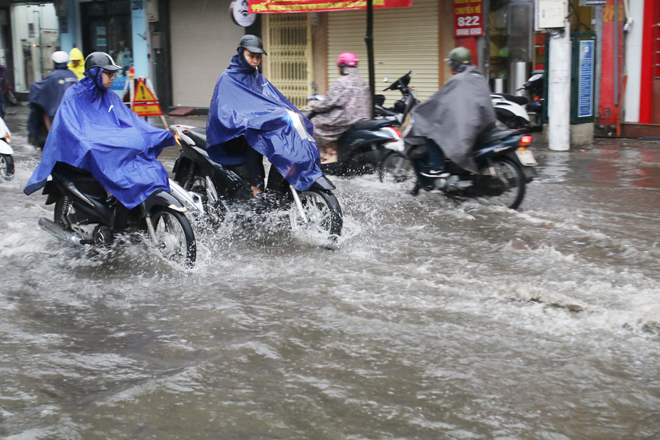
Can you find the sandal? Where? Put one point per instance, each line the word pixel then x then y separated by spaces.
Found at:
pixel 329 157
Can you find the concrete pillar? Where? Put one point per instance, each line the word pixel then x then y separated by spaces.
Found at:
pixel 559 90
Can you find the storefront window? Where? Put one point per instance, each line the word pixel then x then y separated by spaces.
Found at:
pixel 517 49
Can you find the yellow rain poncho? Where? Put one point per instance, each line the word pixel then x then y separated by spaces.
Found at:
pixel 79 70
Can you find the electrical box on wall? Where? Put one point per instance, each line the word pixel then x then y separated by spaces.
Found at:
pixel 552 13
pixel 152 10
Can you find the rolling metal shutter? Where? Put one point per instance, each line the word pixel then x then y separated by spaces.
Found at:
pixel 404 39
pixel 204 38
pixel 290 55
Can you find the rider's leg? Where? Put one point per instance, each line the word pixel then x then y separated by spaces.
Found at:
pixel 329 153
pixel 429 168
pixel 255 163
pixel 435 161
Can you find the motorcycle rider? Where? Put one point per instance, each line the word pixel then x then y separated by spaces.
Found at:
pixel 46 95
pixel 347 102
pixel 249 118
pixel 451 120
pixel 77 65
pixel 94 130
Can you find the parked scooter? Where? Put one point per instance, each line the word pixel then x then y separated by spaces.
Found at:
pixel 534 86
pixel 360 148
pixel 83 217
pixel 6 159
pixel 401 107
pixel 505 167
pixel 224 188
pixel 510 110
pixel 513 111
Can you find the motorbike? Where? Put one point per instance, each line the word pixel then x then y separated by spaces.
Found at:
pixel 402 106
pixel 513 111
pixel 6 159
pixel 226 188
pixel 534 85
pixel 360 148
pixel 510 110
pixel 505 167
pixel 83 217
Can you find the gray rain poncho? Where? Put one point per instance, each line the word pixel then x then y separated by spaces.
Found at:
pixel 455 116
pixel 347 102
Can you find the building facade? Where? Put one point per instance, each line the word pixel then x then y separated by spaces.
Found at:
pixel 184 45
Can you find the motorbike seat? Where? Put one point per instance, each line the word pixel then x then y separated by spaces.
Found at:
pixel 371 124
pixel 492 136
pixel 82 179
pixel 198 135
pixel 520 100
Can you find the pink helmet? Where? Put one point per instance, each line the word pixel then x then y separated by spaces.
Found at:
pixel 348 59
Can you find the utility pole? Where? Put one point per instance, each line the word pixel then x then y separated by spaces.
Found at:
pixel 559 90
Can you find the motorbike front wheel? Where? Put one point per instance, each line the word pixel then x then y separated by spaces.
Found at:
pixel 502 184
pixel 176 240
pixel 322 212
pixel 215 214
pixel 6 166
pixel 396 168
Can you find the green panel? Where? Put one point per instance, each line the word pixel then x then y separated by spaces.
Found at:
pixel 575 78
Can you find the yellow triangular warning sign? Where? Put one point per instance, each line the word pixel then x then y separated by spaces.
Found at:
pixel 139 98
pixel 142 93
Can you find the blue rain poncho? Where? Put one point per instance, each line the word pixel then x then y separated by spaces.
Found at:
pixel 45 98
pixel 244 103
pixel 96 131
pixel 48 92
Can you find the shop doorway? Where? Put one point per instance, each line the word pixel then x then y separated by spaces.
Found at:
pixel 107 28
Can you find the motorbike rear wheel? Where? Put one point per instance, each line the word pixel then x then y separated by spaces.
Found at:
pixel 396 168
pixel 6 166
pixel 176 239
pixel 505 188
pixel 322 211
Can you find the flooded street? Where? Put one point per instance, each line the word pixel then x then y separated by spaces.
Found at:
pixel 430 320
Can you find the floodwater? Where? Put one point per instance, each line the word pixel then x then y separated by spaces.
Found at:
pixel 429 320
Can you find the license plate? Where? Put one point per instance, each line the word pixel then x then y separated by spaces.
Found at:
pixel 526 158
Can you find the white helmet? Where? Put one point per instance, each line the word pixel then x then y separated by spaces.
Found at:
pixel 60 57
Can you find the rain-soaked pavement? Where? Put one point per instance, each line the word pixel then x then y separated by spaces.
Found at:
pixel 430 320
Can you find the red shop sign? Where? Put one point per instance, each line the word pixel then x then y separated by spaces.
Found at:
pixel 274 6
pixel 468 18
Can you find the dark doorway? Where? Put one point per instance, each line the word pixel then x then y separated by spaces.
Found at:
pixel 107 28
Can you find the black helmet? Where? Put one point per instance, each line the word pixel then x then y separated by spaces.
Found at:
pixel 252 43
pixel 100 59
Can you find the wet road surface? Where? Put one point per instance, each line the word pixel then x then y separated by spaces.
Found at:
pixel 430 320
